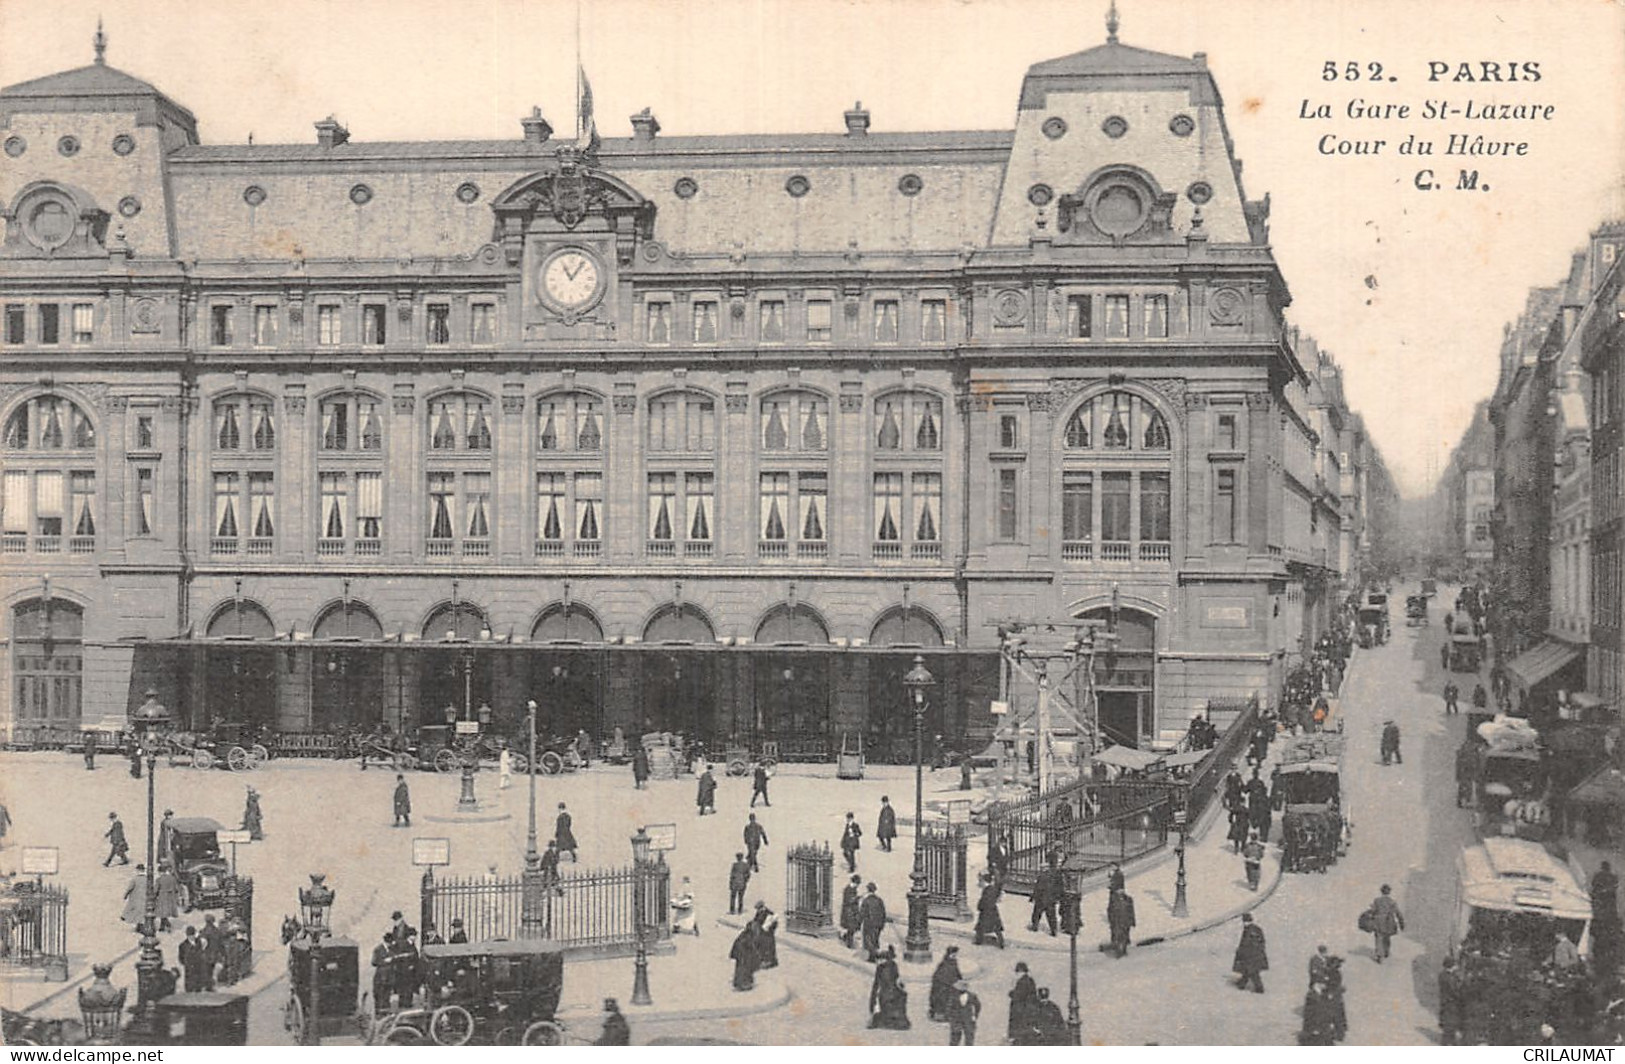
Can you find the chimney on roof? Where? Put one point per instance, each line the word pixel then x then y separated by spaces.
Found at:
pixel 645 125
pixel 857 121
pixel 329 134
pixel 537 129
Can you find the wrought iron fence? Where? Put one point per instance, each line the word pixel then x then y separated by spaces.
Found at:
pixel 34 927
pixel 944 855
pixel 596 909
pixel 1209 775
pixel 809 889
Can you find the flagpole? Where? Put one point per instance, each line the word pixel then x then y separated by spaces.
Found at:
pixel 579 119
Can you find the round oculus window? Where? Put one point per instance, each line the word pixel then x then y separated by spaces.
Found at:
pixel 1054 128
pixel 360 195
pixel 910 184
pixel 1181 125
pixel 1040 195
pixel 1199 192
pixel 685 188
pixel 68 145
pixel 50 224
pixel 15 146
pixel 253 195
pixel 1118 210
pixel 123 144
pixel 798 186
pixel 129 206
pixel 1115 126
pixel 468 192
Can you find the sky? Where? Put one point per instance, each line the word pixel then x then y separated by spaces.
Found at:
pixel 1408 289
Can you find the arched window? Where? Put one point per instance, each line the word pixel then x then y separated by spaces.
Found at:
pixel 570 446
pixel 47 660
pixel 679 623
pixel 456 620
pixel 1116 482
pixel 243 442
pixel 793 481
pixel 241 619
pixel 682 478
pixel 792 624
pixel 567 622
pixel 48 486
pixel 348 621
pixel 461 516
pixel 906 520
pixel 906 626
pixel 350 475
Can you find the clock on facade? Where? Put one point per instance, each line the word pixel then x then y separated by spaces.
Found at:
pixel 571 280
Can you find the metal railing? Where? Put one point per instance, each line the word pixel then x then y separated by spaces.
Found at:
pixel 809 889
pixel 593 909
pixel 944 854
pixel 34 926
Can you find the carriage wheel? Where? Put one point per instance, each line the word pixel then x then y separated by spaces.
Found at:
pixel 404 761
pixel 505 1037
pixel 521 763
pixel 403 1034
pixel 238 760
pixel 451 1025
pixel 258 755
pixel 293 1018
pixel 738 767
pixel 202 759
pixel 552 764
pixel 543 1033
pixel 446 760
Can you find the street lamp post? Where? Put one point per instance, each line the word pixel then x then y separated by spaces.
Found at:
pixel 1181 908
pixel 531 918
pixel 466 801
pixel 314 902
pixel 917 946
pixel 640 872
pixel 151 721
pixel 1072 922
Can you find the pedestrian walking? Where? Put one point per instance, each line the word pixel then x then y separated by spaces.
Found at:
pixel 758 786
pixel 1251 959
pixel 886 829
pixel 850 919
pixel 253 819
pixel 563 835
pixel 743 954
pixel 403 802
pixel 989 924
pixel 616 1031
pixel 706 798
pixel 1252 859
pixel 1452 694
pixel 168 888
pixel 640 767
pixel 1452 1003
pixel 1049 1026
pixel 382 975
pixel 942 985
pixel 1384 921
pixel 504 768
pixel 738 881
pixel 684 919
pixel 117 845
pixel 1022 1027
pixel 135 898
pixel 90 750
pixel 1481 698
pixel 1120 918
pixel 405 964
pixel 1047 891
pixel 888 999
pixel 998 856
pixel 1390 743
pixel 850 836
pixel 135 761
pixel 1260 810
pixel 755 839
pixel 964 1009
pixel 871 921
pixel 550 866
pixel 195 963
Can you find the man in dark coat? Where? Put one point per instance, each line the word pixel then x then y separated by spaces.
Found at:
pixel 998 856
pixel 1047 891
pixel 758 786
pixel 1605 896
pixel 193 955
pixel 616 1031
pixel 850 834
pixel 1114 877
pixel 1120 918
pixel 117 845
pixel 755 839
pixel 706 796
pixel 1390 743
pixel 942 984
pixel 1252 860
pixel 459 933
pixel 738 880
pixel 405 966
pixel 1240 826
pixel 1481 698
pixel 886 830
pixel 214 943
pixel 383 982
pixel 743 954
pixel 90 750
pixel 964 1009
pixel 403 802
pixel 849 911
pixel 1251 959
pixel 1386 921
pixel 563 835
pixel 1022 1028
pixel 871 921
pixel 1452 694
pixel 888 999
pixel 989 924
pixel 253 818
pixel 640 780
pixel 1049 1026
pixel 1452 1003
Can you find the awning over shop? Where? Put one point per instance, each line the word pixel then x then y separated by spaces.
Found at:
pixel 1185 757
pixel 1127 757
pixel 1532 667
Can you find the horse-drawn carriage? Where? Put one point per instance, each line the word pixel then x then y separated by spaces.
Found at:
pixel 1308 787
pixel 323 979
pixel 739 759
pixel 232 745
pixel 1416 610
pixel 482 993
pixel 1311 837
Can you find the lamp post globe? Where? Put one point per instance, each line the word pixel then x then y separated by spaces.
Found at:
pixel 917 945
pixel 151 720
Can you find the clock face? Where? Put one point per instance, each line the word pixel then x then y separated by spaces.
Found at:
pixel 570 278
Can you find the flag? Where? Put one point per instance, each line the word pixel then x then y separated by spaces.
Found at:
pixel 586 129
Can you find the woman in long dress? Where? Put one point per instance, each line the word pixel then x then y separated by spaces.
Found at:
pixel 743 954
pixel 888 998
pixel 253 821
pixel 135 898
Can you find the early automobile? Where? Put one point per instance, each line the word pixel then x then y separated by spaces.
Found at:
pixel 323 979
pixel 1416 610
pixel 483 993
pixel 192 847
pixel 1464 651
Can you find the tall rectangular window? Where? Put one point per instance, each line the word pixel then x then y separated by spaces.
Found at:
pixel 926 495
pixel 820 320
pixel 144 436
pixel 772 321
pixel 1224 435
pixel 658 317
pixel 662 507
pixel 14 503
pixel 146 518
pixel 374 324
pixel 336 425
pixel 1155 509
pixel 329 331
pixel 1079 324
pixel 705 321
pixel 442 498
pixel 482 323
pixel 1116 317
pixel 264 326
pixel 812 506
pixel 438 323
pixel 49 505
pixel 1224 506
pixel 369 505
pixel 262 426
pixel 1077 506
pixel 1009 432
pixel 885 321
pixel 551 507
pixel 262 505
pixel 589 507
pixel 1156 316
pixel 81 504
pixel 699 498
pixel 226 523
pixel 16 323
pixel 1115 507
pixel 50 323
pixel 220 326
pixel 477 505
pixel 84 323
pixel 933 321
pixel 888 507
pixel 1008 505
pixel 335 512
pixel 774 506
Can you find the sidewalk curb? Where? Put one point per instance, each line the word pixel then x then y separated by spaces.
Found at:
pixel 74 983
pixel 757 1004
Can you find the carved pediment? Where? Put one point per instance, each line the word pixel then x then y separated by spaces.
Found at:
pixel 564 197
pixel 1117 204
